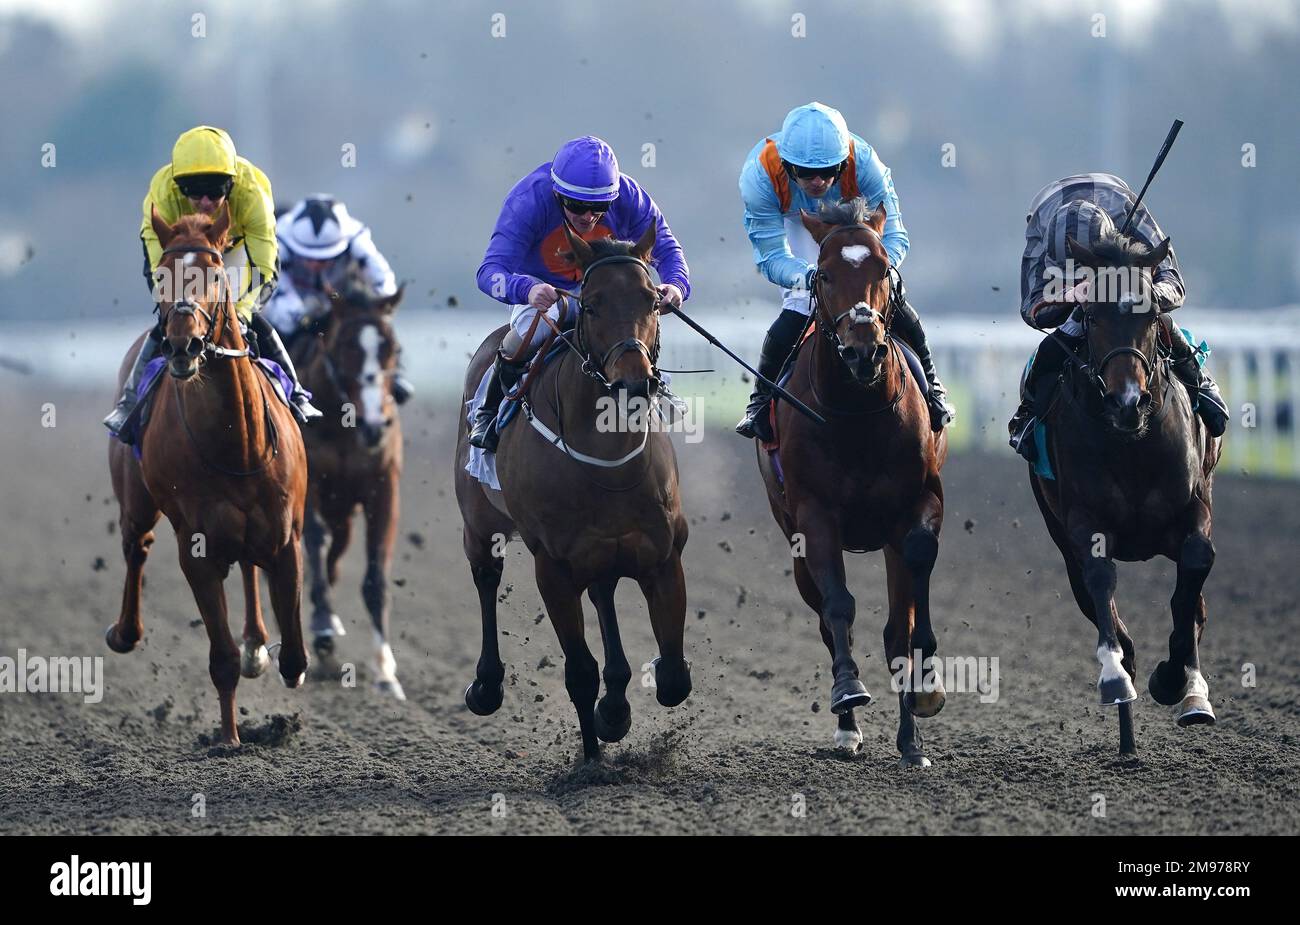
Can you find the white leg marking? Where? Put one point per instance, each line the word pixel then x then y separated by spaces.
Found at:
pixel 849 740
pixel 1112 668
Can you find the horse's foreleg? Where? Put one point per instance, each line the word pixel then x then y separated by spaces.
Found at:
pixel 254 658
pixel 381 531
pixel 285 581
pixel 825 564
pixel 665 595
pixel 581 674
pixel 1179 680
pixel 1092 546
pixel 137 539
pixel 848 737
pixel 613 716
pixel 205 578
pixel 918 544
pixel 899 632
pixel 485 692
pixel 325 624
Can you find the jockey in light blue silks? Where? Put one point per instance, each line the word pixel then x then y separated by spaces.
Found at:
pixel 815 159
pixel 528 256
pixel 323 248
pixel 1087 207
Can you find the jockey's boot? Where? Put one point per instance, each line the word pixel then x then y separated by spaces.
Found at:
pixel 127 400
pixel 1048 360
pixel 270 346
pixel 1209 403
pixel 778 343
pixel 908 324
pixel 1021 428
pixel 505 375
pixel 402 388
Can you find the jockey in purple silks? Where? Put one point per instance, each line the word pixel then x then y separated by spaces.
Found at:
pixel 527 258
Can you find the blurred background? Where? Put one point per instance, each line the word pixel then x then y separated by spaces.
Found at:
pixel 445 116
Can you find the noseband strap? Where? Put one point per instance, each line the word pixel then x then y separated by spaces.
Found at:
pixel 189 307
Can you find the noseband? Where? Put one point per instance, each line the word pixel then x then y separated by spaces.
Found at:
pixel 860 312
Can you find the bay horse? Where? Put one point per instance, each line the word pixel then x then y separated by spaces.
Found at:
pixel 866 480
pixel 354 456
pixel 223 459
pixel 593 505
pixel 1133 471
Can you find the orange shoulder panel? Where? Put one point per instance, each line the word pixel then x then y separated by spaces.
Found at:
pixel 771 162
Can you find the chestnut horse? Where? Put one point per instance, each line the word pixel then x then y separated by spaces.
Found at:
pixel 868 479
pixel 1133 469
pixel 593 504
pixel 354 456
pixel 223 459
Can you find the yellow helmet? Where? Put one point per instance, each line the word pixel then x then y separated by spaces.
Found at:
pixel 203 149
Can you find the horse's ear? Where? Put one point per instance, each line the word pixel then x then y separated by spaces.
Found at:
pixel 816 227
pixel 220 226
pixel 876 220
pixel 642 249
pixel 388 304
pixel 1157 255
pixel 582 253
pixel 1080 253
pixel 160 227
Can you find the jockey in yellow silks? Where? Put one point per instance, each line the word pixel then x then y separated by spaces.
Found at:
pixel 205 175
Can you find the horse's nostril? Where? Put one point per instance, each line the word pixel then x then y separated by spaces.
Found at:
pixel 1144 400
pixel 879 354
pixel 194 347
pixel 167 349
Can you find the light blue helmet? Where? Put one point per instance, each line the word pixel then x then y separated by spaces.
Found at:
pixel 814 135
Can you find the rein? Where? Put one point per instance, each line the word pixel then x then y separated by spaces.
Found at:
pixel 211 348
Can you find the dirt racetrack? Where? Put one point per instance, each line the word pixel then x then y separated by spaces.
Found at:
pixel 751 743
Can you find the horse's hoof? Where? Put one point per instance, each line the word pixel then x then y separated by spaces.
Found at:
pixel 115 643
pixel 848 740
pixel 926 703
pixel 611 730
pixel 914 761
pixel 1114 691
pixel 293 683
pixel 254 661
pixel 672 682
pixel 323 646
pixel 328 626
pixel 482 701
pixel 1195 710
pixel 391 688
pixel 1164 694
pixel 849 695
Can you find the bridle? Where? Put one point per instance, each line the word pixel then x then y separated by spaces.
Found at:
pixel 1093 372
pixel 859 313
pixel 211 348
pixel 590 365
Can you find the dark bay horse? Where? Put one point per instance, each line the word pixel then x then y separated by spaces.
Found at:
pixel 592 506
pixel 868 479
pixel 223 459
pixel 1134 467
pixel 354 456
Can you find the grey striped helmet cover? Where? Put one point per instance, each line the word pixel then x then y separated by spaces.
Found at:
pixel 1083 220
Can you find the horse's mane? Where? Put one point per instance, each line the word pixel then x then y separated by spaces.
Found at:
pixel 1120 250
pixel 195 226
pixel 845 212
pixel 611 247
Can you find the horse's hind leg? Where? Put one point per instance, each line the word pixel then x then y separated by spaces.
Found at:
pixel 325 624
pixel 1179 680
pixel 136 519
pixel 485 692
pixel 381 532
pixel 581 674
pixel 254 660
pixel 848 737
pixel 205 578
pixel 613 715
pixel 665 595
pixel 285 581
pixel 825 564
